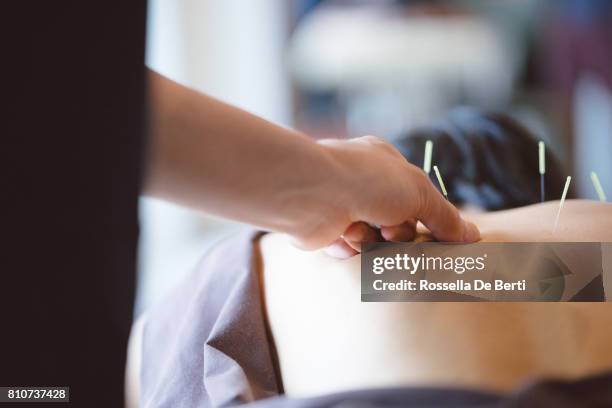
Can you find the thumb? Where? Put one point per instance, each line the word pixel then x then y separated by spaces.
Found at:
pixel 443 219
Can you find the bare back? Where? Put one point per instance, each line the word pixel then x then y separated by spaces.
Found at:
pixel 327 340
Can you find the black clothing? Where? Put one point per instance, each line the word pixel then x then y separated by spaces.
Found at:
pixel 73 77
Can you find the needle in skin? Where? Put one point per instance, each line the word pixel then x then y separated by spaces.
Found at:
pixel 428 154
pixel 542 167
pixel 440 181
pixel 567 183
pixel 598 188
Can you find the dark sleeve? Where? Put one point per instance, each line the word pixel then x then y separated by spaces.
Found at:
pixel 73 86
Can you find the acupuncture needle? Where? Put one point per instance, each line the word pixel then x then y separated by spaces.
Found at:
pixel 542 167
pixel 598 188
pixel 439 177
pixel 565 189
pixel 428 153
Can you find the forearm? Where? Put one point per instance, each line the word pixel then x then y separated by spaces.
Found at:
pixel 210 156
pixel 213 157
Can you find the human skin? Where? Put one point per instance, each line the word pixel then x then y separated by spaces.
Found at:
pixel 213 157
pixel 328 341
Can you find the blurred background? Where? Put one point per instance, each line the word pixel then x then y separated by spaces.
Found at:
pixel 340 68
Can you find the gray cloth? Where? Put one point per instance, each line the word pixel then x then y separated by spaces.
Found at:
pixel 208 345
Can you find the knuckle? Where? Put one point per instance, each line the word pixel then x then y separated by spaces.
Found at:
pixel 381 144
pixel 375 140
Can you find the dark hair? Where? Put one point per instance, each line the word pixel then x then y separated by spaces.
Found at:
pixel 486 159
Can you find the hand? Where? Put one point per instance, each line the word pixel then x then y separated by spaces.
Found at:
pixel 213 157
pixel 374 185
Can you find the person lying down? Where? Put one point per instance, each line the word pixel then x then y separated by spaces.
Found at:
pixel 313 303
pixel 261 321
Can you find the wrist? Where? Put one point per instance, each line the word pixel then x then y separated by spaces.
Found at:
pixel 341 174
pixel 325 199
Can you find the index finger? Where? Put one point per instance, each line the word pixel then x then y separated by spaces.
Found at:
pixel 443 219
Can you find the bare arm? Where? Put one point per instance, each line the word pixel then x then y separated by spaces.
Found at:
pixel 214 157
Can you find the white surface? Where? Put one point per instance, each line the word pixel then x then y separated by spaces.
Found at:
pixel 394 72
pixel 347 47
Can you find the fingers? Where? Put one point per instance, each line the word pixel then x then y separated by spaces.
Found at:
pixel 350 242
pixel 399 233
pixel 340 249
pixel 359 232
pixel 443 219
